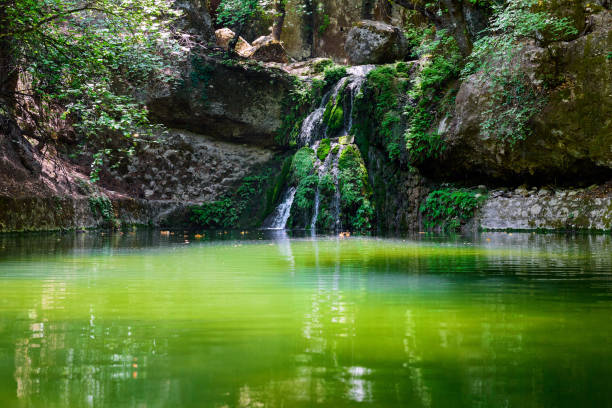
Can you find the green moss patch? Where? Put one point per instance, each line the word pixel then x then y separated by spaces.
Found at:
pixel 323 149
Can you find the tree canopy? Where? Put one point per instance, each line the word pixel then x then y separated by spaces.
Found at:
pixel 85 58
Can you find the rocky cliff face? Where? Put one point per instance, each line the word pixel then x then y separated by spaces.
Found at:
pixel 572 133
pixel 321 30
pixel 168 173
pixel 229 101
pixel 225 116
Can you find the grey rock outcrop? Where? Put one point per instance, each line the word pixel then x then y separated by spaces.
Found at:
pixel 232 102
pixel 572 132
pixel 374 42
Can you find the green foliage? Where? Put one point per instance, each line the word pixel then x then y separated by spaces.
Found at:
pixel 333 74
pixel 355 192
pixel 382 86
pixel 416 36
pixel 327 190
pixel 216 214
pixel 382 80
pixel 228 210
pixel 237 13
pixel 304 177
pixel 511 23
pixel 305 193
pixel 296 106
pixel 444 62
pixel 101 206
pixel 333 116
pixel 449 208
pixel 321 65
pixel 514 99
pixel 302 164
pixel 323 149
pixel 513 102
pixel 402 68
pixel 273 194
pixel 443 65
pixel 324 24
pixel 388 125
pixel 88 56
pixel 424 145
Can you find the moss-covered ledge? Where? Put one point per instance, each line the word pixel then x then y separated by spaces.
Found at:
pixel 54 213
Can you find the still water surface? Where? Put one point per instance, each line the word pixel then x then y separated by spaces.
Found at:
pixel 144 320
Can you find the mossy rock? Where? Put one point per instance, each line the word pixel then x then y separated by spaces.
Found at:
pixel 323 149
pixel 302 164
pixel 321 65
pixel 333 116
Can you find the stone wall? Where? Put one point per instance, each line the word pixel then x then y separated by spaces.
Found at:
pixel 185 166
pixel 563 209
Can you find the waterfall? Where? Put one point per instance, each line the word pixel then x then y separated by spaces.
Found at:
pixel 313 129
pixel 278 219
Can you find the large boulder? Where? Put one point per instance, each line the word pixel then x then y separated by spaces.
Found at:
pixel 375 42
pixel 241 102
pixel 571 136
pixel 267 49
pixel 225 35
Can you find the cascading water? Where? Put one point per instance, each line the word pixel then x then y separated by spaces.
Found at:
pixel 278 219
pixel 312 131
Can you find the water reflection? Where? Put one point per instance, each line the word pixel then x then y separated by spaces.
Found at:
pixel 492 320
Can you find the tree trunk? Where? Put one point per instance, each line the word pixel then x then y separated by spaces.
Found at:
pixel 279 19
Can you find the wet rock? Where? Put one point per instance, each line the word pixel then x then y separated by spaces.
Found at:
pixel 374 42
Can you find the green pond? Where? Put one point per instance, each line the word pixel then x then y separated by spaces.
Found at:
pixel 269 320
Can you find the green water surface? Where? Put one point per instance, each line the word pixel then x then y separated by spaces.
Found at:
pixel 257 320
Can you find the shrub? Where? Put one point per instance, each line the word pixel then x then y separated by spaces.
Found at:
pixel 333 74
pixel 215 214
pixel 296 106
pixel 226 212
pixel 449 208
pixel 305 193
pixel 444 65
pixel 322 65
pixel 302 164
